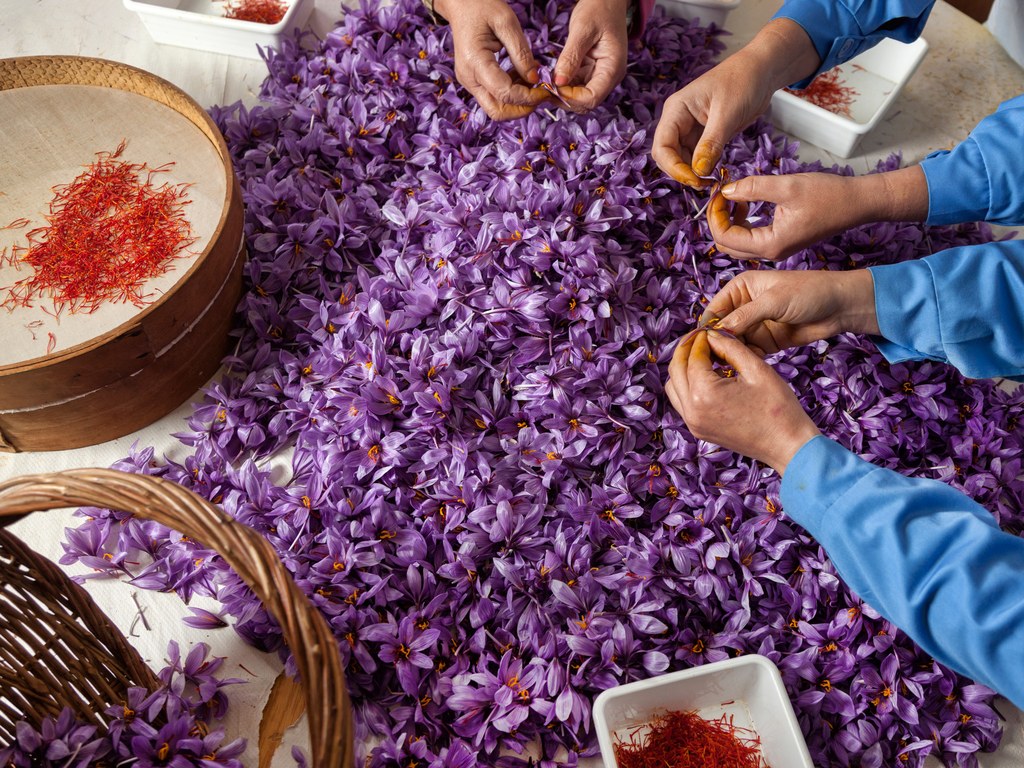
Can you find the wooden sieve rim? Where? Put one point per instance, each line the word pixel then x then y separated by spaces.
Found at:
pixel 32 71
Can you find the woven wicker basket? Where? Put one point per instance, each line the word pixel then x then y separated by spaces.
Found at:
pixel 57 649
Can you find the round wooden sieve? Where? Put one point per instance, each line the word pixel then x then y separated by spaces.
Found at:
pixel 70 379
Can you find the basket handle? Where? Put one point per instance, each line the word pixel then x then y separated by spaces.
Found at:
pixel 305 630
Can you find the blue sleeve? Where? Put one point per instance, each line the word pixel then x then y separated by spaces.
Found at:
pixel 925 556
pixel 982 178
pixel 840 29
pixel 963 306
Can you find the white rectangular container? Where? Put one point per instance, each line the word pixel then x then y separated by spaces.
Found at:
pixel 878 75
pixel 201 24
pixel 747 688
pixel 707 11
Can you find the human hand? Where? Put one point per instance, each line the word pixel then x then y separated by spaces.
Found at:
pixel 480 29
pixel 775 309
pixel 699 119
pixel 809 207
pixel 593 61
pixel 753 411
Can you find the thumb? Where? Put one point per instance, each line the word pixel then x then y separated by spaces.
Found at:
pixel 748 316
pixel 751 189
pixel 708 151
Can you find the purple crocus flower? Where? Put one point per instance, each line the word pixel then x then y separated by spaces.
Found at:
pixel 444 410
pixel 405 646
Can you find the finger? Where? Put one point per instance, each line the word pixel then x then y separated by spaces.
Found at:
pixel 677 366
pixel 719 216
pixel 743 319
pixel 698 362
pixel 671 162
pixel 511 36
pixel 579 97
pixel 708 151
pixel 730 297
pixel 753 188
pixel 497 110
pixel 665 151
pixel 603 79
pixel 731 350
pixel 734 236
pixel 500 86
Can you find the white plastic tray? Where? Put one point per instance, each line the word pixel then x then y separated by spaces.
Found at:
pixel 747 688
pixel 878 75
pixel 201 24
pixel 708 11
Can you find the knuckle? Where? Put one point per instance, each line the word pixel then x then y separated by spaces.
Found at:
pixel 750 186
pixel 697 424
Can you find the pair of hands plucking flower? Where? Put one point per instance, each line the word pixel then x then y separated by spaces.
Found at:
pixel 591 64
pixel 752 410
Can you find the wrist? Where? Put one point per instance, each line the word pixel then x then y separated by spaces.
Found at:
pixel 856 290
pixel 791 443
pixel 783 52
pixel 903 194
pixel 900 195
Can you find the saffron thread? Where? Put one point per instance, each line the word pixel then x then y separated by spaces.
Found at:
pixel 258 11
pixel 107 233
pixel 687 740
pixel 828 91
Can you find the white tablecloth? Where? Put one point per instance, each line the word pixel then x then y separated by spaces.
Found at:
pixel 965 75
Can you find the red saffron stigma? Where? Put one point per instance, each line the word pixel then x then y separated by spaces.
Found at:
pixel 828 92
pixel 687 740
pixel 259 11
pixel 106 233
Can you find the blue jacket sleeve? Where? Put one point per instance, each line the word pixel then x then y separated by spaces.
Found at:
pixel 927 557
pixel 840 29
pixel 981 178
pixel 963 306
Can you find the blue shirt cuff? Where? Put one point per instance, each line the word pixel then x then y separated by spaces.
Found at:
pixel 842 29
pixel 958 186
pixel 907 312
pixel 821 21
pixel 817 476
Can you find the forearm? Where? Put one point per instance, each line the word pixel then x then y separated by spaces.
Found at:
pixel 927 557
pixel 840 29
pixel 962 306
pixel 980 178
pixel 782 52
pixel 900 195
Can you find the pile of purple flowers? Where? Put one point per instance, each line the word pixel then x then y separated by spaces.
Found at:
pixel 458 330
pixel 166 727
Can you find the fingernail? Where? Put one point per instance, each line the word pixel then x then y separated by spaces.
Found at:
pixel 533 76
pixel 728 189
pixel 561 80
pixel 702 165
